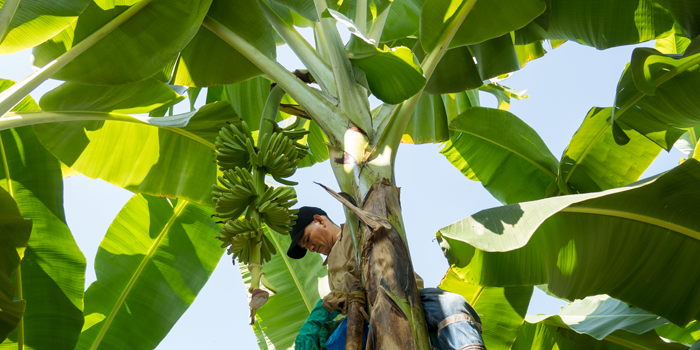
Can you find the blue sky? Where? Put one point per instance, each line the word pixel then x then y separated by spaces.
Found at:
pixel 562 87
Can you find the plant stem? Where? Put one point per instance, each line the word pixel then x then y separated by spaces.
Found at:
pixel 361 15
pixel 13 95
pixel 331 119
pixel 352 100
pixel 393 133
pixel 320 70
pixel 321 46
pixel 375 32
pixel 6 14
pixel 269 113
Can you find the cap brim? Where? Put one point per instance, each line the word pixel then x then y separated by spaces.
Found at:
pixel 295 251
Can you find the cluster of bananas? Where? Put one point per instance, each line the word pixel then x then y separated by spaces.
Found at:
pixel 232 146
pixel 278 153
pixel 236 196
pixel 242 233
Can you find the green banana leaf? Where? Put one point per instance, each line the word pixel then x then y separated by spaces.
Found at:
pixel 529 52
pixel 316 140
pixel 139 97
pixel 153 261
pixel 171 157
pixel 687 335
pixel 594 162
pixel 688 141
pixel 551 334
pixel 496 56
pixel 392 74
pixel 53 268
pixel 508 157
pixel 686 13
pixel 615 242
pixel 492 19
pixel 601 315
pixel 142 46
pixel 305 8
pixel 604 24
pixel 428 123
pixel 208 60
pixel 14 235
pixel 403 20
pixel 655 96
pixel 535 30
pixel 601 318
pixel 503 94
pixel 29 23
pixel 501 310
pixel 672 44
pixel 299 283
pixel 456 104
pixel 487 20
pixel 248 99
pixel 455 72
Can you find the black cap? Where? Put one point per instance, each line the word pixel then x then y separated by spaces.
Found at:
pixel 305 216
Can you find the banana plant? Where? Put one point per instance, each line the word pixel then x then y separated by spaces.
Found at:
pixel 243 192
pixel 426 61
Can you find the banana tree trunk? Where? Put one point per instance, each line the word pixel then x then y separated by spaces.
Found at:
pixel 396 313
pixel 396 320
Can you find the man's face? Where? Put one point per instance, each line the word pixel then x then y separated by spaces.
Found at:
pixel 317 236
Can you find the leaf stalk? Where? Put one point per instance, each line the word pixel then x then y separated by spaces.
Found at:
pixel 332 120
pixel 391 137
pixel 320 70
pixel 352 100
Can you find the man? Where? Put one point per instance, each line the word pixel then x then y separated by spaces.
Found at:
pixel 452 322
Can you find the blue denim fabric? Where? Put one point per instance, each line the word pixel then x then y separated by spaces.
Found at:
pixel 452 319
pixel 440 306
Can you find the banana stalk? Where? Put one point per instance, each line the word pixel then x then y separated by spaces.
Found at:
pixel 269 113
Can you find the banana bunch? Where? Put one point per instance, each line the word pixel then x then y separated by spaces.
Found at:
pixel 232 147
pixel 279 156
pixel 278 152
pixel 238 198
pixel 236 194
pixel 242 236
pixel 273 207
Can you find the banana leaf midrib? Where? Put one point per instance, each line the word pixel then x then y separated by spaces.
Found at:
pixel 7 13
pixel 693 137
pixel 40 117
pixel 108 320
pixel 291 271
pixel 549 173
pixel 636 217
pixel 585 153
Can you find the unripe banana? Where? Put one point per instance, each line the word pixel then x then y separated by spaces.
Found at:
pixel 230 146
